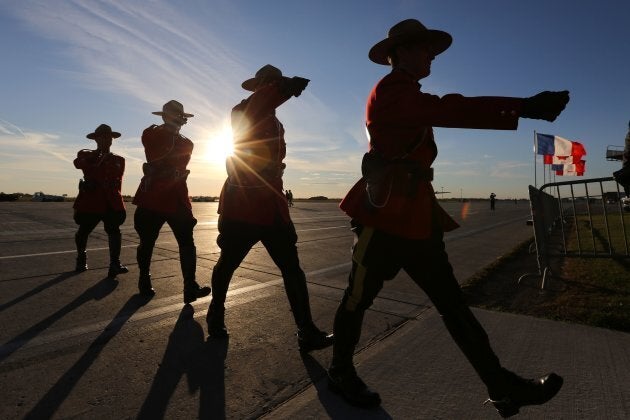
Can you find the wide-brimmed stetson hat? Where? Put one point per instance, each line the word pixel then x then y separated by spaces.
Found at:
pixel 410 30
pixel 266 74
pixel 103 130
pixel 173 108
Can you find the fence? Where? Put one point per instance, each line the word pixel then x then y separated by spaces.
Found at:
pixel 578 219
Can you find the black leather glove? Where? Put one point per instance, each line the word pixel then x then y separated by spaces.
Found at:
pixel 545 105
pixel 298 84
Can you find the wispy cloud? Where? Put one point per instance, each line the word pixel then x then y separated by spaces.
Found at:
pixel 17 141
pixel 510 169
pixel 140 51
pixel 32 161
pixel 458 172
pixel 156 51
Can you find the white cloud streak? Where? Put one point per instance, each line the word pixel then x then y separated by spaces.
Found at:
pixel 151 50
pixel 140 51
pixel 32 161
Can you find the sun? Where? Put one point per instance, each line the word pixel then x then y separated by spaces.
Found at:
pixel 219 146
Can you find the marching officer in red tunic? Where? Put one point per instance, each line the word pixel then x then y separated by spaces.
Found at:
pixel 399 223
pixel 99 198
pixel 162 197
pixel 253 208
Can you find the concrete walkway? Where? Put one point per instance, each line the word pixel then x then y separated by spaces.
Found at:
pixel 421 374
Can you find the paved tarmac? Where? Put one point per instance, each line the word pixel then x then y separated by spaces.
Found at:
pixel 82 346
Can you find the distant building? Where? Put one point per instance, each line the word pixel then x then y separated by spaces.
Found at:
pixel 40 196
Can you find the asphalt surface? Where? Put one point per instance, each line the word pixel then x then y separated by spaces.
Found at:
pixel 87 347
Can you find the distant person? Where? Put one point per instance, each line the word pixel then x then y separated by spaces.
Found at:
pixel 623 175
pixel 493 199
pixel 399 223
pixel 162 197
pixel 252 207
pixel 99 198
pixel 290 198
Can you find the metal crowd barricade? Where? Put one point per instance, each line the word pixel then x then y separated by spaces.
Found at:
pixel 578 219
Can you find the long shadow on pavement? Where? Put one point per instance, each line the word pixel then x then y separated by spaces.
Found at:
pixel 96 292
pixel 335 406
pixel 38 289
pixel 203 364
pixel 51 401
pixel 212 384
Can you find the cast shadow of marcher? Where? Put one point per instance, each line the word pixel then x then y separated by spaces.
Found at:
pixel 335 406
pixel 212 380
pixel 96 292
pixel 50 402
pixel 188 355
pixel 61 277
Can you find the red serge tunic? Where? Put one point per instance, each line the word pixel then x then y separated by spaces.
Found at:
pixel 398 115
pixel 164 189
pixel 252 192
pixel 104 175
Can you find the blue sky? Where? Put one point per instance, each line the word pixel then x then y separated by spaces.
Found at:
pixel 68 66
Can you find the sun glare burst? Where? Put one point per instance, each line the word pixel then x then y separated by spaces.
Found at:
pixel 220 146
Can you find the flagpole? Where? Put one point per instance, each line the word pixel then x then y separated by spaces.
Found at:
pixel 544 172
pixel 535 151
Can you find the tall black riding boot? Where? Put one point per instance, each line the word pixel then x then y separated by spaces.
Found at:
pixel 143 256
pixel 188 262
pixel 473 341
pixel 220 282
pixel 309 336
pixel 216 320
pixel 81 243
pixel 115 267
pixel 342 376
pixel 347 328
